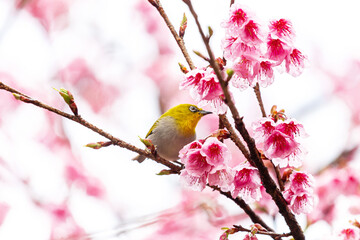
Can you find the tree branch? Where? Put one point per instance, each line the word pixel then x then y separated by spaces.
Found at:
pixel 80 120
pixel 178 39
pixel 270 233
pixel 266 179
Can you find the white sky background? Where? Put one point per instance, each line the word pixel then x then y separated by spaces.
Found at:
pixel 327 31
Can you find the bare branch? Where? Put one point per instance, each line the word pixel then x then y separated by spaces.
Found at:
pixel 80 120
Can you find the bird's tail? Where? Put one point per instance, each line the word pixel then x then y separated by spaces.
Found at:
pixel 139 158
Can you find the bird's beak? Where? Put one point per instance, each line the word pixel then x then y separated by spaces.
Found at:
pixel 203 112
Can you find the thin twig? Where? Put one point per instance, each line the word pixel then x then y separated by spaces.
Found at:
pixel 179 40
pixel 270 233
pixel 242 204
pixel 266 179
pixel 234 137
pixel 232 2
pixel 80 120
pixel 258 97
pixel 278 176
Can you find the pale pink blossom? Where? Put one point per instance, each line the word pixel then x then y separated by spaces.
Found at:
pixel 250 236
pixel 196 183
pixel 247 184
pixel 299 202
pixel 216 152
pixel 349 234
pixel 264 73
pixel 295 62
pixel 4 209
pixel 222 178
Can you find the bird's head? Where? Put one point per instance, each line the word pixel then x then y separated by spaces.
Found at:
pixel 186 117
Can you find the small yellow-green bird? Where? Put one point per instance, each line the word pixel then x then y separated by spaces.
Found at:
pixel 173 130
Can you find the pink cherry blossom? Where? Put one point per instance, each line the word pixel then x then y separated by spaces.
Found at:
pixel 196 183
pixel 216 152
pixel 237 18
pixel 250 237
pixel 349 234
pixel 264 73
pixel 277 50
pixel 279 145
pixel 300 202
pixel 295 62
pixel 247 184
pixel 222 178
pixel 205 89
pixel 282 29
pixel 196 163
pixel 301 182
pixel 188 148
pixel 251 33
pixel 279 140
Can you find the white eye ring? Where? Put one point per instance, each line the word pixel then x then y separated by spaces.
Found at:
pixel 193 109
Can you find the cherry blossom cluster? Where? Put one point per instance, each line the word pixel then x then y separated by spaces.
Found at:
pixel 299 192
pixel 255 50
pixel 205 89
pixel 278 139
pixel 206 162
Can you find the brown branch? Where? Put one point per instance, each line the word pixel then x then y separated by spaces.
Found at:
pixel 258 97
pixel 232 2
pixel 270 233
pixel 266 179
pixel 80 120
pixel 234 137
pixel 179 40
pixel 278 176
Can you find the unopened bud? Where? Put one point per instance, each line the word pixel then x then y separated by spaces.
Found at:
pixel 183 26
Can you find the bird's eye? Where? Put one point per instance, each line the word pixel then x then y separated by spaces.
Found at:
pixel 193 109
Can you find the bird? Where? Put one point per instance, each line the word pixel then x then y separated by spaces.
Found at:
pixel 173 130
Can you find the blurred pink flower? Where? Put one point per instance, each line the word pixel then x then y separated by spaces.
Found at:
pixel 4 209
pixel 250 237
pixel 247 184
pixel 96 92
pixel 50 13
pixel 195 183
pixel 349 234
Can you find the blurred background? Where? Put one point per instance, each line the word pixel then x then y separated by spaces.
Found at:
pixel 121 63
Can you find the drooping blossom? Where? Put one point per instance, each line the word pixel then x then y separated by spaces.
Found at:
pixel 216 152
pixel 222 178
pixel 279 140
pixel 299 192
pixel 282 29
pixel 250 236
pixel 205 89
pixel 247 184
pixel 295 62
pixel 253 51
pixel 206 161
